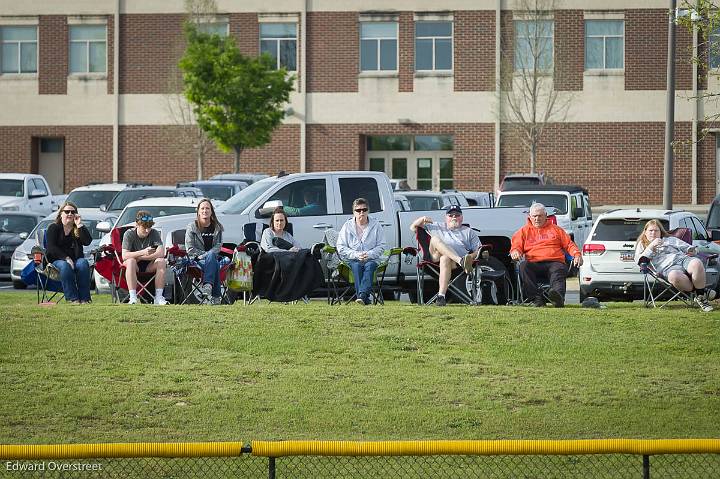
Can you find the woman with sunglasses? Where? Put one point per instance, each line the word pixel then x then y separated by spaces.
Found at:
pixel 360 244
pixel 65 240
pixel 203 239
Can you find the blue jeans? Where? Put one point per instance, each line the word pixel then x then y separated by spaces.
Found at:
pixel 211 272
pixel 75 281
pixel 363 275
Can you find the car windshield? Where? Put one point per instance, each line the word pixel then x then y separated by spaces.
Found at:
pixel 11 188
pixel 238 203
pixel 221 192
pixel 17 224
pixel 91 198
pixel 520 181
pixel 621 229
pixel 559 202
pixel 419 203
pixel 128 215
pixel 124 197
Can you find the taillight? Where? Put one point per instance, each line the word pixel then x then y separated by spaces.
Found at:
pixel 552 219
pixel 593 249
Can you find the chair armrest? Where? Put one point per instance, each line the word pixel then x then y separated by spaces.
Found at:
pixel 410 251
pixel 316 250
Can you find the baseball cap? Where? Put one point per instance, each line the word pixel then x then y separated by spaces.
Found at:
pixel 454 209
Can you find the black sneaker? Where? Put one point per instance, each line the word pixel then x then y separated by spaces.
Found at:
pixel 556 298
pixel 441 301
pixel 538 303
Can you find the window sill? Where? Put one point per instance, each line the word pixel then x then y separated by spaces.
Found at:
pixel 431 73
pixel 18 76
pixel 87 76
pixel 378 74
pixel 604 73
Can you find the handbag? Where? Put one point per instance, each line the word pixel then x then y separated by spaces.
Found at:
pixel 240 273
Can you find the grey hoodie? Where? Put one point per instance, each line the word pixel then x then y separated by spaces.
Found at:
pixel 194 244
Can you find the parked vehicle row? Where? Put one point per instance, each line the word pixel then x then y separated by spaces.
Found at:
pixel 26 193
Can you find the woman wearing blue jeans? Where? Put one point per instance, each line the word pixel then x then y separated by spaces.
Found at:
pixel 65 240
pixel 203 238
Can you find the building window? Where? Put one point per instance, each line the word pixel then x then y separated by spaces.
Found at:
pixel 434 143
pixel 378 46
pixel 19 49
pixel 604 44
pixel 433 46
pixel 279 40
pixel 388 143
pixel 446 174
pixel 534 44
pixel 88 48
pixel 714 48
pixel 213 28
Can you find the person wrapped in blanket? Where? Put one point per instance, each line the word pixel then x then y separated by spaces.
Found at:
pixel 278 229
pixel 203 239
pixel 674 260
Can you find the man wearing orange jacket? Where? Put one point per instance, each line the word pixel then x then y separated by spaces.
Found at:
pixel 543 246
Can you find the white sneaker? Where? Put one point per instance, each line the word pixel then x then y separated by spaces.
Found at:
pixel 132 301
pixel 160 300
pixel 710 294
pixel 206 290
pixel 215 301
pixel 703 304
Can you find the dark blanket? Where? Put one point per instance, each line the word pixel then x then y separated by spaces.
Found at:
pixel 286 276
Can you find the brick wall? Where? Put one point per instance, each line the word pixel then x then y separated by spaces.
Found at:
pixel 646 51
pixel 406 51
pixel 246 30
pixel 569 45
pixel 88 151
pixel 149 153
pixel 150 48
pixel 474 50
pixel 619 163
pixel 52 55
pixel 333 58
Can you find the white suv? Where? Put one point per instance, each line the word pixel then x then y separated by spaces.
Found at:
pixel 609 270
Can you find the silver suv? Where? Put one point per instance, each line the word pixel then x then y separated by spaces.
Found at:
pixel 609 270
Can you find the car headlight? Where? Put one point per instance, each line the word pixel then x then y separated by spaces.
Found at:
pixel 10 208
pixel 19 255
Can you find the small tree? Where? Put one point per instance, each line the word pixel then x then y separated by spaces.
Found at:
pixel 237 100
pixel 529 98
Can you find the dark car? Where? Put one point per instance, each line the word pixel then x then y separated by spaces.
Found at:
pixel 433 200
pixel 12 226
pixel 135 193
pixel 514 181
pixel 217 189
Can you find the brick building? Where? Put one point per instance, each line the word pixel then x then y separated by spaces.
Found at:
pixel 397 86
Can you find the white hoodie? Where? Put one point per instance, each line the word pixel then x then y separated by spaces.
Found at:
pixel 349 246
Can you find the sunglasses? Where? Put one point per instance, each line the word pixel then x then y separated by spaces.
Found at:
pixel 70 212
pixel 361 210
pixel 145 218
pixel 454 215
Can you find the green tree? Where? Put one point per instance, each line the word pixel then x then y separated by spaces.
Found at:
pixel 237 100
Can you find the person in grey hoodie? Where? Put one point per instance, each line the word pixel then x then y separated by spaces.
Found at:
pixel 360 244
pixel 203 238
pixel 674 260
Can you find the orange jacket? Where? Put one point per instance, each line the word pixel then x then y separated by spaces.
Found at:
pixel 547 243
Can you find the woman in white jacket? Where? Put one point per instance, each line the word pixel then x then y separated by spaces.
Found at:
pixel 360 244
pixel 674 260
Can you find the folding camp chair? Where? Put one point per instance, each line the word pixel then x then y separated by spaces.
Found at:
pixel 462 287
pixel 543 286
pixel 110 264
pixel 42 273
pixel 658 292
pixel 188 273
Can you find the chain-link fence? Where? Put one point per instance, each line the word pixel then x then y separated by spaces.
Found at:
pixel 320 460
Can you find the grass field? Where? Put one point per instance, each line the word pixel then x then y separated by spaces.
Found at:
pixel 108 373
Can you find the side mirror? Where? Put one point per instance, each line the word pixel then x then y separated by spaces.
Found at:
pixel 37 194
pixel 23 236
pixel 715 235
pixel 103 226
pixel 577 213
pixel 103 207
pixel 268 208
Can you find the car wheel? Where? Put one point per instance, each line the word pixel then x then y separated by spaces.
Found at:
pixel 19 284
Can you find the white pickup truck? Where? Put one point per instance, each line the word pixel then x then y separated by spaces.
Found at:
pixel 26 192
pixel 320 201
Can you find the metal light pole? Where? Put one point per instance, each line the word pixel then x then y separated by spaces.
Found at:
pixel 670 118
